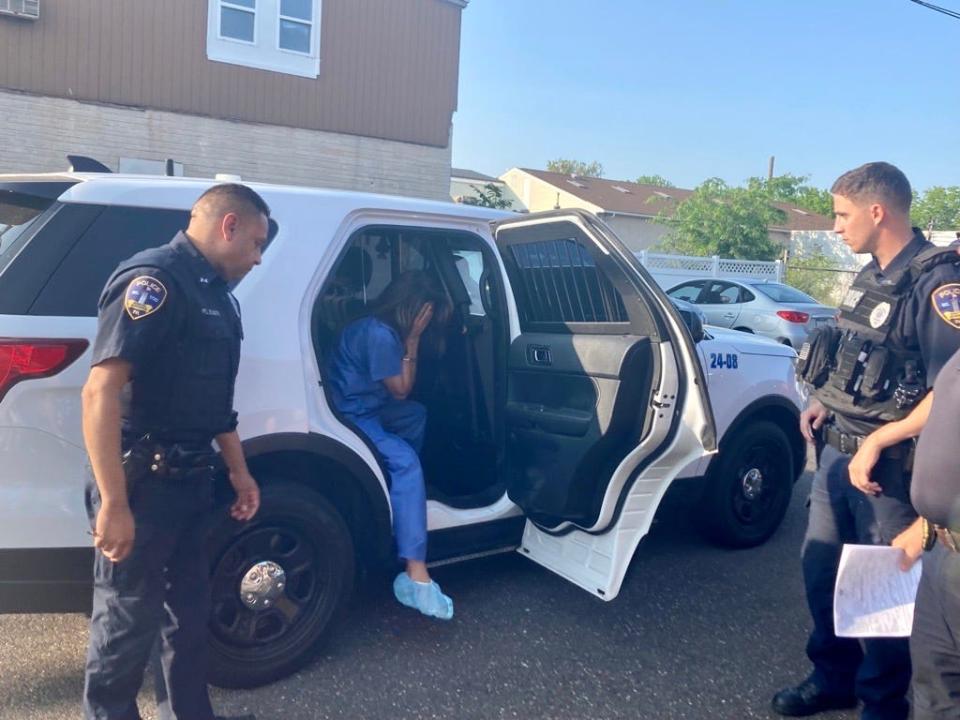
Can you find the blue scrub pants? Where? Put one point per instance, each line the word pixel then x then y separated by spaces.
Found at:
pixel 878 673
pixel 397 431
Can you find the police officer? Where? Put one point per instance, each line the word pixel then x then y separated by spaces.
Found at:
pixel 874 368
pixel 935 492
pixel 159 391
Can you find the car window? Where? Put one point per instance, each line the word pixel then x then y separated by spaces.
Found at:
pixel 559 281
pixel 688 291
pixel 784 293
pixel 18 211
pixel 469 264
pixel 746 296
pixel 119 232
pixel 720 293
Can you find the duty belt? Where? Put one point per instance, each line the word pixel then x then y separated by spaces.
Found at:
pixel 169 460
pixel 848 444
pixel 844 442
pixel 950 539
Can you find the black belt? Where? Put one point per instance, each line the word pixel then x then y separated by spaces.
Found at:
pixel 848 444
pixel 844 442
pixel 169 461
pixel 950 539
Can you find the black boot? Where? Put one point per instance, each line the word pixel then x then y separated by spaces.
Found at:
pixel 808 699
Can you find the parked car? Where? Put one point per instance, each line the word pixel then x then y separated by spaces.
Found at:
pixel 773 309
pixel 570 397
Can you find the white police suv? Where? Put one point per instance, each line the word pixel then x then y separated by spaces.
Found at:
pixel 569 397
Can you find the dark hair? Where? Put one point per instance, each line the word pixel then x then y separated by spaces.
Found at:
pixel 878 182
pixel 401 301
pixel 232 197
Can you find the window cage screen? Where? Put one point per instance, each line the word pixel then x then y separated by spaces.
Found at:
pixel 559 282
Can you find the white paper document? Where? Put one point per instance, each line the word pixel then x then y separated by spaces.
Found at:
pixel 873 596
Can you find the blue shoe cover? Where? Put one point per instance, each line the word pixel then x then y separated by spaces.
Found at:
pixel 425 597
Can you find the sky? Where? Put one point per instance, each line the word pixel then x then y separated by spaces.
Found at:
pixel 692 89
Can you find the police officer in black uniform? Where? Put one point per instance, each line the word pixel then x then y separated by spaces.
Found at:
pixel 872 369
pixel 160 391
pixel 935 492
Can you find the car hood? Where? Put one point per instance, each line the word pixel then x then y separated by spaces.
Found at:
pixel 750 344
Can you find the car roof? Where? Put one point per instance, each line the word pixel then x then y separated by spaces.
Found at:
pixel 159 191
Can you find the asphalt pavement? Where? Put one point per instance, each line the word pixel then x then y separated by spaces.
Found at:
pixel 696 633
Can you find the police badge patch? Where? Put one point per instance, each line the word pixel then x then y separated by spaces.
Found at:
pixel 879 315
pixel 946 301
pixel 144 297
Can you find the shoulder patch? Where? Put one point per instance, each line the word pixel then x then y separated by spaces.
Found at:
pixel 946 301
pixel 145 295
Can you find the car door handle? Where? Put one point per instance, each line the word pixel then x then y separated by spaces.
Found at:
pixel 539 355
pixel 729 315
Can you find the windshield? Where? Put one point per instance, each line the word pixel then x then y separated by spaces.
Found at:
pixel 784 293
pixel 17 213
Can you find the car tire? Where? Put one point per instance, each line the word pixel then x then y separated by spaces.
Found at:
pixel 745 329
pixel 276 583
pixel 749 486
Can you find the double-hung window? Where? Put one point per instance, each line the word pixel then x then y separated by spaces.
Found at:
pixel 278 35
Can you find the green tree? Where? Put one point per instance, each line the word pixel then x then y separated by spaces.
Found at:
pixel 491 196
pixel 658 180
pixel 575 167
pixel 939 206
pixel 793 189
pixel 814 273
pixel 720 220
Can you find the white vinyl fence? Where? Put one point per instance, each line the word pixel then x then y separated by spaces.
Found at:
pixel 670 270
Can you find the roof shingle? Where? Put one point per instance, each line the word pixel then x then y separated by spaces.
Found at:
pixel 619 196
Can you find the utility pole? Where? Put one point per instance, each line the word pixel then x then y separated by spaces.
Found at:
pixel 770 169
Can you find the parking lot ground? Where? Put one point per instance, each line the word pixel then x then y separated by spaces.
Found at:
pixel 697 633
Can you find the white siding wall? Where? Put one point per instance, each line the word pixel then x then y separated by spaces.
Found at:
pixel 37 133
pixel 635 232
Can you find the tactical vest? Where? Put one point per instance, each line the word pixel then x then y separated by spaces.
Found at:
pixel 865 368
pixel 185 391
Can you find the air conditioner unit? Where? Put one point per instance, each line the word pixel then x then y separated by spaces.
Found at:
pixel 26 9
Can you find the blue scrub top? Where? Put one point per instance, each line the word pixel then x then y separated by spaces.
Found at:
pixel 367 352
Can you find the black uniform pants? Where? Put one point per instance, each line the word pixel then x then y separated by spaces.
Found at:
pixel 935 640
pixel 161 588
pixel 878 673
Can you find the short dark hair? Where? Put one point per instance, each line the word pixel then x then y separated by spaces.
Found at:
pixel 876 182
pixel 232 197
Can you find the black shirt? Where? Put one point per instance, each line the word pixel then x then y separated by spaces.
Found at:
pixel 926 323
pixel 172 317
pixel 935 491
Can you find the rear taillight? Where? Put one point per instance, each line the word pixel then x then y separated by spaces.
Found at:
pixel 27 359
pixel 794 316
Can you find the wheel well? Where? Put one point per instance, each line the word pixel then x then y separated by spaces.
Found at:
pixel 338 474
pixel 743 328
pixel 781 413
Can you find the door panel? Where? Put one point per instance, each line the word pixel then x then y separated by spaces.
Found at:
pixel 606 399
pixel 720 303
pixel 573 419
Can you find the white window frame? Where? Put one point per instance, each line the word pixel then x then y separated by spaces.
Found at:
pixel 299 21
pixel 265 52
pixel 221 4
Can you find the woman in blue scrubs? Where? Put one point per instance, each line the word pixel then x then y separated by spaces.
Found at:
pixel 371 373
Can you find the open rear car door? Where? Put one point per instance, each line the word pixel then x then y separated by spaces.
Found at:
pixel 606 401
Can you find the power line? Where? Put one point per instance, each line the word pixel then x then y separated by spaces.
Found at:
pixel 930 6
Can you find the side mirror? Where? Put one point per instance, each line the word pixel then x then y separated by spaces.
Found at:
pixel 692 321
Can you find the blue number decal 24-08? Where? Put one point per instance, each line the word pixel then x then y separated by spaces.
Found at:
pixel 723 361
